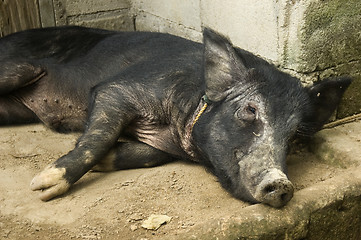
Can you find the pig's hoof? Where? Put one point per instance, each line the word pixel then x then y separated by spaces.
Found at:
pixel 50 182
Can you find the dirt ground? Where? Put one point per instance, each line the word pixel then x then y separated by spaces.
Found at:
pixel 114 205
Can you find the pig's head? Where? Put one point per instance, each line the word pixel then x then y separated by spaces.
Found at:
pixel 253 112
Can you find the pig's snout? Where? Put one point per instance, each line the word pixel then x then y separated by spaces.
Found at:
pixel 275 189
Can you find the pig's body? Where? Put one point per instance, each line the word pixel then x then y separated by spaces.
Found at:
pixel 138 99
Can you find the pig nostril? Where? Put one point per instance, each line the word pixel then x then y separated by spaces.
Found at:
pixel 284 197
pixel 269 188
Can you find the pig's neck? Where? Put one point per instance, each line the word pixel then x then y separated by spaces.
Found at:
pixel 187 140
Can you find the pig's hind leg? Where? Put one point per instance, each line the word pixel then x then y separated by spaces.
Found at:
pixel 15 75
pixel 130 155
pixel 13 112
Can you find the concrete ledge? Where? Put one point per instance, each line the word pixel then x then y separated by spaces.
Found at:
pixel 339 146
pixel 327 210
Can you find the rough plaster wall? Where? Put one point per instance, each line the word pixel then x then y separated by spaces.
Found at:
pixel 108 14
pixel 291 21
pixel 250 26
pixel 181 18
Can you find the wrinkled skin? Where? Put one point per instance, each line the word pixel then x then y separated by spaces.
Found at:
pixel 137 98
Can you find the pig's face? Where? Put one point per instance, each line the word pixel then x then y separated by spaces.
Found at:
pixel 245 136
pixel 254 111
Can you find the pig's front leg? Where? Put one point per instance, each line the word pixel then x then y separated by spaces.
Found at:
pixel 107 120
pixel 131 155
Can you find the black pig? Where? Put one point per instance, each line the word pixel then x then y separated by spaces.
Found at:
pixel 142 99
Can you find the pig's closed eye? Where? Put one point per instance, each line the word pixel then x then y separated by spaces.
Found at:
pixel 251 109
pixel 248 113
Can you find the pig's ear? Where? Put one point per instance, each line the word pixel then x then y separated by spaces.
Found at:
pixel 221 65
pixel 325 97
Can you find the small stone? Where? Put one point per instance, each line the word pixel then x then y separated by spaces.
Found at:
pixel 133 227
pixel 135 217
pixel 155 221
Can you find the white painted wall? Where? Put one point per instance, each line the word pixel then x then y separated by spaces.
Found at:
pixel 258 26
